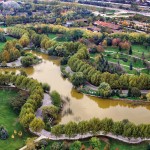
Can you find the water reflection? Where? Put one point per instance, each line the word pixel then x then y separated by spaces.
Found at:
pixel 75 95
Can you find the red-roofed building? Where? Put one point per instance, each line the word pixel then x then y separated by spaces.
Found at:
pixel 107 24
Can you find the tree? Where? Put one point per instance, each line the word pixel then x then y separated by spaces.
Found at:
pixel 135 92
pixel 27 61
pixel 56 99
pixel 75 145
pixel 77 79
pixel 5 56
pixel 46 87
pixel 4 64
pixel 37 125
pixel 94 125
pixel 131 66
pixel 3 133
pixel 57 130
pixel 70 129
pixel 118 128
pixel 55 146
pixel 50 111
pixel 26 118
pixel 148 96
pixel 17 102
pixel 83 127
pixel 104 89
pixel 107 146
pixel 23 73
pixel 30 144
pixel 95 142
pixel 107 125
pixel 130 51
pixel 104 43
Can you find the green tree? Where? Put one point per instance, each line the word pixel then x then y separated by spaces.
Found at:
pixel 26 118
pixel 83 127
pixel 50 111
pixel 37 125
pixel 95 142
pixel 57 130
pixel 135 92
pixel 70 129
pixel 56 99
pixel 78 79
pixel 118 128
pixel 55 146
pixel 27 61
pixel 148 96
pixel 130 51
pixel 46 87
pixel 104 89
pixel 75 145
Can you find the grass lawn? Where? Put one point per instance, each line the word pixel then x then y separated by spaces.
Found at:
pixel 127 69
pixel 141 49
pixel 52 36
pixel 2 44
pixel 114 144
pixel 3 26
pixel 55 37
pixel 138 64
pixel 145 71
pixel 125 65
pixel 124 146
pixel 61 40
pixel 9 119
pixel 136 49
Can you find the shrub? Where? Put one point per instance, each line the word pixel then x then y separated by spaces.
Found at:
pixel 56 146
pixel 56 99
pixel 3 133
pixel 27 61
pixel 78 79
pixel 17 102
pixel 45 87
pixel 64 61
pixel 4 64
pixel 104 89
pixel 37 125
pixel 148 96
pixel 135 92
pixel 124 59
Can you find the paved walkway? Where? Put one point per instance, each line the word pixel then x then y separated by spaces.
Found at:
pixel 38 139
pixel 47 101
pixel 47 135
pixel 16 63
pixel 139 69
pixel 90 86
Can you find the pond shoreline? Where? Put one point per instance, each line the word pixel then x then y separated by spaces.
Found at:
pixel 70 72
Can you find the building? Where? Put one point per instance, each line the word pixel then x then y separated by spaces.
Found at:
pixel 94 29
pixel 107 25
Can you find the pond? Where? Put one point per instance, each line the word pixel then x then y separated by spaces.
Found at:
pixel 82 107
